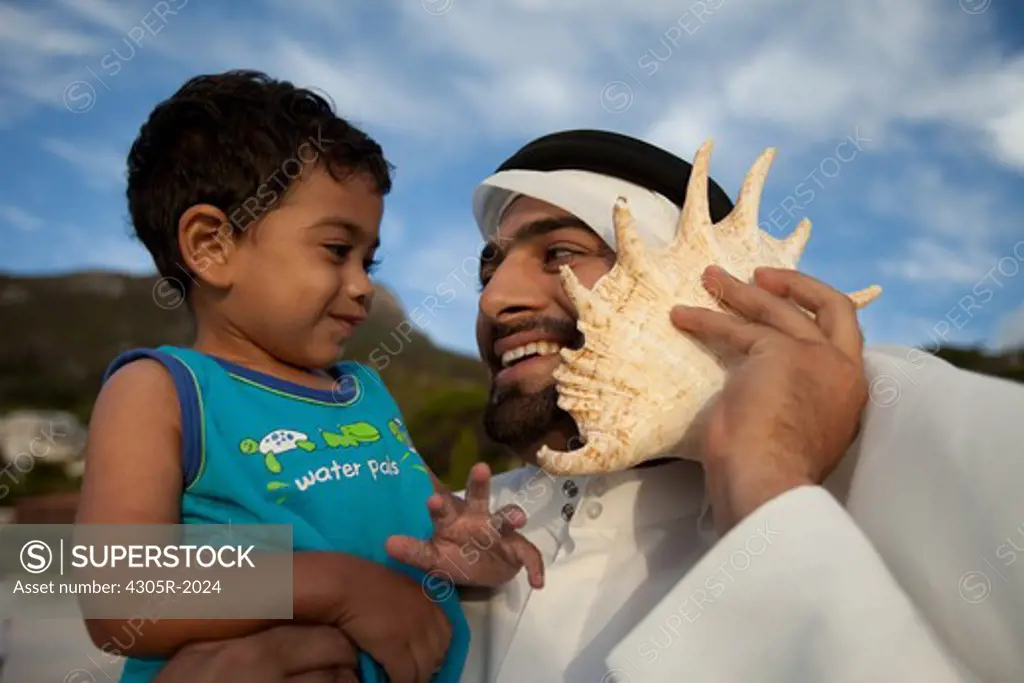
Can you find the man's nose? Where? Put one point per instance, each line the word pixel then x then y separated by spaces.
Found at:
pixel 514 290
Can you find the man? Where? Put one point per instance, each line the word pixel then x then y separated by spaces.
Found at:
pixel 823 537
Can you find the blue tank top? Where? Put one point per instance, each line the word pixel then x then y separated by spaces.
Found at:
pixel 337 465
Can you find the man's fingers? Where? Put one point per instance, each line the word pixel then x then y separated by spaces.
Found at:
pixel 325 676
pixel 722 332
pixel 836 313
pixel 302 649
pixel 346 676
pixel 478 489
pixel 761 306
pixel 401 666
pixel 413 552
pixel 425 660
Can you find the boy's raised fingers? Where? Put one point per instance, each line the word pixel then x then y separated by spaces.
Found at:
pixel 478 489
pixel 442 510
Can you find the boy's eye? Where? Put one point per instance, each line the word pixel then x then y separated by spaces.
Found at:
pixel 339 250
pixel 371 265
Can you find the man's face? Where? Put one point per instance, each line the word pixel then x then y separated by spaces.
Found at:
pixel 525 318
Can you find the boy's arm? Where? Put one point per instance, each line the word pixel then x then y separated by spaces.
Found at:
pixel 133 475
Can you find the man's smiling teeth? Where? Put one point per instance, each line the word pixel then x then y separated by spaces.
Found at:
pixel 541 348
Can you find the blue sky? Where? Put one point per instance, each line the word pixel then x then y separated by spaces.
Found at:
pixel 924 197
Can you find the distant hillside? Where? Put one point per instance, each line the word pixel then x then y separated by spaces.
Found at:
pixel 59 334
pixel 1009 364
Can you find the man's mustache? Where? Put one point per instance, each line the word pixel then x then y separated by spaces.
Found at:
pixel 561 330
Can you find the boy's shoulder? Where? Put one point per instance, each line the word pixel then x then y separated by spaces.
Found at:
pixel 138 396
pixel 171 358
pixel 128 371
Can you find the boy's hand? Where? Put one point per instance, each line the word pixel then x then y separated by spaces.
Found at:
pixel 472 545
pixel 389 616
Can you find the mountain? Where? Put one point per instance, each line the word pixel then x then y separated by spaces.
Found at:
pixel 60 332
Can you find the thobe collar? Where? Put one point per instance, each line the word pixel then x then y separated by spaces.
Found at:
pixel 620 501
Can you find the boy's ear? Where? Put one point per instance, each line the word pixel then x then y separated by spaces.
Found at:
pixel 207 241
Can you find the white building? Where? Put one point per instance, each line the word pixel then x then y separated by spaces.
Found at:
pixel 28 437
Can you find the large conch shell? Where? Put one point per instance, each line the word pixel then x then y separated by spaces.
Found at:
pixel 638 383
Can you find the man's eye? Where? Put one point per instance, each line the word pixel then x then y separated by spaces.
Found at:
pixel 560 254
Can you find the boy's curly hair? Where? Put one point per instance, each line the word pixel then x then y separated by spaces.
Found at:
pixel 237 141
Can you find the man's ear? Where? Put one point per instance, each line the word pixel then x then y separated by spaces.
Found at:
pixel 207 241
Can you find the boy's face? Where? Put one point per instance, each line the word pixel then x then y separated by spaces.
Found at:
pixel 299 280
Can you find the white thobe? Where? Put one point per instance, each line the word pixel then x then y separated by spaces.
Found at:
pixel 906 565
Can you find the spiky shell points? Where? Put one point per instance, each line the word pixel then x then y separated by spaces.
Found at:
pixel 638 383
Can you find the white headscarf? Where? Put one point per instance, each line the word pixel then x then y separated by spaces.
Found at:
pixel 588 196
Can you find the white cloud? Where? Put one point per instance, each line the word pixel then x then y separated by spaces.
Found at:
pixel 18 218
pixel 944 205
pixel 362 90
pixel 108 15
pixel 892 63
pixel 522 68
pixel 518 103
pixel 35 50
pixel 39 33
pixel 954 231
pixel 101 166
pixel 930 262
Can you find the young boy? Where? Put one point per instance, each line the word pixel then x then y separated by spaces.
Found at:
pixel 263 208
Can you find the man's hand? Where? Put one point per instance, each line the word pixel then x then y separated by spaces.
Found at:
pixel 471 544
pixel 389 616
pixel 792 403
pixel 285 654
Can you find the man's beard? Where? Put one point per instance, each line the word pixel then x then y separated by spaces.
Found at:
pixel 518 419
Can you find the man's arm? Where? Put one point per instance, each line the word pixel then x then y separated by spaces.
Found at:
pixel 917 578
pixel 291 653
pixel 815 604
